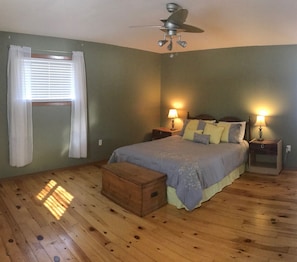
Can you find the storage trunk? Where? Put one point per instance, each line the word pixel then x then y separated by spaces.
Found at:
pixel 138 189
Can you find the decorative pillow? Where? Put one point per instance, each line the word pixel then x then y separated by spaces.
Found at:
pixel 231 132
pixel 186 122
pixel 189 134
pixel 242 129
pixel 200 138
pixel 215 133
pixel 192 124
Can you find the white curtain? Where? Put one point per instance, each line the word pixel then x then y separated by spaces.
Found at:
pixel 78 133
pixel 19 110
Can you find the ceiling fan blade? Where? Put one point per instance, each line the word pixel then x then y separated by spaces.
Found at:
pixel 145 26
pixel 190 29
pixel 178 17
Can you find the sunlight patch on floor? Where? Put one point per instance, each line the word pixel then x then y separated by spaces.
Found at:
pixel 55 198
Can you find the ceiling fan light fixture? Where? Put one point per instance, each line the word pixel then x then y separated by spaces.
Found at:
pixel 182 43
pixel 162 42
pixel 171 32
pixel 174 25
pixel 169 47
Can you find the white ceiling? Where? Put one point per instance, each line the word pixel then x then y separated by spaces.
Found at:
pixel 227 23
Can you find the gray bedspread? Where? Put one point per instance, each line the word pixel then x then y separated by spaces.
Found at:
pixel 190 167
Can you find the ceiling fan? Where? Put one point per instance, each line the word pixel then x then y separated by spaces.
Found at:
pixel 175 24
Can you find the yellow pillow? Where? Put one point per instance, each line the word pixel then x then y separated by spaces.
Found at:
pixel 215 133
pixel 189 134
pixel 192 124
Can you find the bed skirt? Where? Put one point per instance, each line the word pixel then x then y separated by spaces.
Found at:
pixel 208 192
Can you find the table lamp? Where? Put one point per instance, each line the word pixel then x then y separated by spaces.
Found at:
pixel 172 114
pixel 260 122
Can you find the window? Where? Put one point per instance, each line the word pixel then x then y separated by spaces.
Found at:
pixel 49 79
pixel 50 76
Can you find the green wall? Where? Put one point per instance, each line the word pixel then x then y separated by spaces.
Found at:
pixel 236 81
pixel 123 88
pixel 130 92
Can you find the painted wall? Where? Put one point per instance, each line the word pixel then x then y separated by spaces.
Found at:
pixel 124 94
pixel 236 81
pixel 123 88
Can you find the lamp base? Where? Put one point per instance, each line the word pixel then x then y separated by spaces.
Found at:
pixel 260 134
pixel 172 125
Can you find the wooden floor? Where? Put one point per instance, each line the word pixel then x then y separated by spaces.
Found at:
pixel 61 216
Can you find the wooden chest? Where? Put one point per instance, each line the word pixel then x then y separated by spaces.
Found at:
pixel 137 189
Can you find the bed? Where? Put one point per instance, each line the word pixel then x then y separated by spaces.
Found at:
pixel 208 155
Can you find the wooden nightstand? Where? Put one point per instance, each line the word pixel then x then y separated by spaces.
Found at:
pixel 265 156
pixel 162 132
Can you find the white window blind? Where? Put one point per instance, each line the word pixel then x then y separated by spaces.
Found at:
pixel 49 80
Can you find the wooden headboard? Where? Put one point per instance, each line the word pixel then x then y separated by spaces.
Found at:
pixel 225 119
pixel 201 116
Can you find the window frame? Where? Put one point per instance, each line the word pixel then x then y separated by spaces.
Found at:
pixel 51 103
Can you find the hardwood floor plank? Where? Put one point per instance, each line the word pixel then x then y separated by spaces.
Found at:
pixel 16 246
pixel 78 207
pixel 78 253
pixel 200 237
pixel 62 214
pixel 4 253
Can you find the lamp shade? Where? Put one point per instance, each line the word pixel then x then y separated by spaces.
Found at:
pixel 172 113
pixel 260 121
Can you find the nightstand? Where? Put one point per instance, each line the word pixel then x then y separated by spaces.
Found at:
pixel 162 132
pixel 265 156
